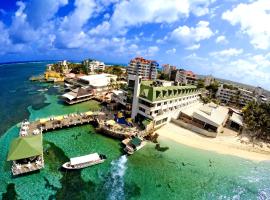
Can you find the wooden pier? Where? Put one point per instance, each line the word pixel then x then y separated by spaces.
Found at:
pixel 58 122
pixel 30 130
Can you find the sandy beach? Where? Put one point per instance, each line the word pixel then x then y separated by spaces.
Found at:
pixel 224 144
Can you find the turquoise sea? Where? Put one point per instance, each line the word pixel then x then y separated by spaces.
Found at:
pixel 172 172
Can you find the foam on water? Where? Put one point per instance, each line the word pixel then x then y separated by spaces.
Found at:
pixel 115 182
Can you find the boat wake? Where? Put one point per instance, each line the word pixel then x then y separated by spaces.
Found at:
pixel 115 183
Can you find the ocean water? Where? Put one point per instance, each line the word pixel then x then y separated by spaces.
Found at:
pixel 171 172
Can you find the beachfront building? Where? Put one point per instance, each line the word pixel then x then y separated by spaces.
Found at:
pixel 119 96
pixel 167 69
pixel 208 119
pixel 235 122
pixel 234 95
pixel 184 77
pixel 94 65
pixel 91 86
pixel 26 154
pixel 78 95
pixel 160 101
pixel 147 69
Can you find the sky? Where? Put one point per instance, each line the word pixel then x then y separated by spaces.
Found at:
pixel 229 39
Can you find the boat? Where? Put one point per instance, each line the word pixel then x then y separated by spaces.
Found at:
pixel 42 90
pixel 133 144
pixel 84 161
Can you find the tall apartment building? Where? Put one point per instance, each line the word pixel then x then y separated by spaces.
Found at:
pixel 167 69
pixel 184 77
pixel 147 69
pixel 160 100
pixel 234 95
pixel 94 65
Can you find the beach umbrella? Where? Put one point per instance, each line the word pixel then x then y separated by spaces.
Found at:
pixel 59 118
pixel 23 133
pixel 89 113
pixel 29 165
pixel 110 122
pixel 43 120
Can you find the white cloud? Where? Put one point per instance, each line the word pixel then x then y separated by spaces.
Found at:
pixel 101 29
pixel 193 47
pixel 71 33
pixel 227 53
pixel 221 39
pixel 243 70
pixel 39 12
pixel 254 20
pixel 171 51
pixel 138 12
pixel 191 35
pixel 152 50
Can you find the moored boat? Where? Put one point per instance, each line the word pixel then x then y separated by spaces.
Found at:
pixel 133 144
pixel 84 161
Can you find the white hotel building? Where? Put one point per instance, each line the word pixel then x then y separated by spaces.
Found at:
pixel 235 95
pixel 160 101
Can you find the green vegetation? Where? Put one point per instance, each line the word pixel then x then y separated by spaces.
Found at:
pixel 200 83
pixel 213 88
pixel 76 68
pixel 231 87
pixel 205 99
pixel 257 119
pixel 116 70
pixel 163 76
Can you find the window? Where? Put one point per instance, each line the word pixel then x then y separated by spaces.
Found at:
pixel 141 109
pixel 159 104
pixel 165 103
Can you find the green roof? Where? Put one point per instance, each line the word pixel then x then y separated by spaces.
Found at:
pixel 156 93
pixel 146 122
pixel 25 147
pixel 136 141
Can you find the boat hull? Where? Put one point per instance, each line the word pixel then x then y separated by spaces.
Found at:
pixel 81 166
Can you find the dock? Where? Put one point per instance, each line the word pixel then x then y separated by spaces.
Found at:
pixel 26 151
pixel 59 122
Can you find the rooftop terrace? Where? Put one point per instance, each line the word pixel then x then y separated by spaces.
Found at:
pixel 153 92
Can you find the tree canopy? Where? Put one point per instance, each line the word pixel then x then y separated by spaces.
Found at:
pixel 257 119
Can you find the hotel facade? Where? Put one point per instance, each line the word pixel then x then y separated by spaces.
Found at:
pixel 183 76
pixel 234 95
pixel 147 69
pixel 94 65
pixel 160 101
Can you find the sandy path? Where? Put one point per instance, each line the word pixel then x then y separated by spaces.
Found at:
pixel 222 144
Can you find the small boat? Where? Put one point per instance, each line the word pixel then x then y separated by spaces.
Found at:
pixel 56 86
pixel 84 161
pixel 133 144
pixel 43 90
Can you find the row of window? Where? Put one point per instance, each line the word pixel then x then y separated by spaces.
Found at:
pixel 177 100
pixel 170 109
pixel 161 121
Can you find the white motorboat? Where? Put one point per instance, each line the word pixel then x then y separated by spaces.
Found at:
pixel 42 90
pixel 133 144
pixel 84 161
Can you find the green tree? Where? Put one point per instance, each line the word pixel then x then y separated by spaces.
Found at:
pixel 163 76
pixel 200 83
pixel 257 119
pixel 213 88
